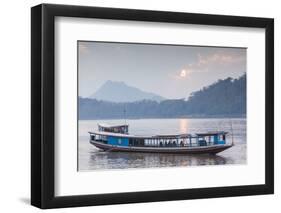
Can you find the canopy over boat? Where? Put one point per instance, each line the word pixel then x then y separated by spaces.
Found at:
pixel 123 129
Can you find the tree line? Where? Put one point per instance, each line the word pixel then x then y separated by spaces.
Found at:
pixel 224 98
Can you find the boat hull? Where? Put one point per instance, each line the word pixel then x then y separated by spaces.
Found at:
pixel 213 149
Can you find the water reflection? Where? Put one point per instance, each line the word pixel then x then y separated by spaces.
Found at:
pixel 183 126
pixel 120 160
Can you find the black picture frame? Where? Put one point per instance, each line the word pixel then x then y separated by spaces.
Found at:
pixel 43 105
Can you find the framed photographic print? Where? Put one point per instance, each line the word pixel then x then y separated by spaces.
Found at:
pixel 122 100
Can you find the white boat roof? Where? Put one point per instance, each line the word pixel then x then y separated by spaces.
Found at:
pixel 118 134
pixel 143 136
pixel 111 126
pixel 212 133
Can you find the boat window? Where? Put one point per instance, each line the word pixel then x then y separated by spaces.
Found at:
pixel 119 141
pixel 137 141
pixel 181 143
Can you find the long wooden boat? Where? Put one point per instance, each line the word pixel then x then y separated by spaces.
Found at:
pixel 117 139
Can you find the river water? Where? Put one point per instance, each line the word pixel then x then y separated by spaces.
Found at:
pixel 91 158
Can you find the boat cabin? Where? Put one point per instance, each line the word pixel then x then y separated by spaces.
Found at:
pixel 211 138
pixel 122 129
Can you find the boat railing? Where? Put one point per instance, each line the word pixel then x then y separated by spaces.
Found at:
pixel 193 144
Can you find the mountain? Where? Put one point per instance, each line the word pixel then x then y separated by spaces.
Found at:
pixel 115 91
pixel 224 98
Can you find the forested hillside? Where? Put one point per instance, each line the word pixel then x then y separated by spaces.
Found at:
pixel 224 98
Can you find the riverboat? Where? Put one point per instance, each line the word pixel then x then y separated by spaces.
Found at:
pixel 116 138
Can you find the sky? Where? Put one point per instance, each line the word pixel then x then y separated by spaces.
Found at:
pixel 170 71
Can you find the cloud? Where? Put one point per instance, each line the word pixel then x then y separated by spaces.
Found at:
pixel 219 58
pixel 205 63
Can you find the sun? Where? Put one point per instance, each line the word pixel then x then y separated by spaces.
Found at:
pixel 183 74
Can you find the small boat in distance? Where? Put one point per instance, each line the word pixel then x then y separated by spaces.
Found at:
pixel 117 139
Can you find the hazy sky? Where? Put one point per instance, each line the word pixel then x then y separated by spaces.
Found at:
pixel 167 70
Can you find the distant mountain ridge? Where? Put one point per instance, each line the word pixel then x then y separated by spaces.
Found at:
pixel 224 98
pixel 115 91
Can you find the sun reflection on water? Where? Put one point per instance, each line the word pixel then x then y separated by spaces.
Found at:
pixel 183 126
